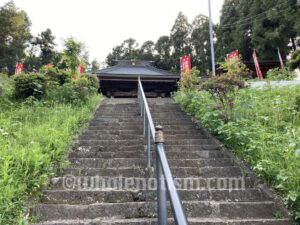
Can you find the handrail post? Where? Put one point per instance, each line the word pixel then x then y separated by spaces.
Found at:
pixel 144 122
pixel 161 183
pixel 148 147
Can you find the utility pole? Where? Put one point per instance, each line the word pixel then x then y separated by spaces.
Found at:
pixel 211 42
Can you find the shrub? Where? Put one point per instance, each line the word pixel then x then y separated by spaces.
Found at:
pixel 6 83
pixel 278 74
pixel 223 88
pixel 294 62
pixel 26 85
pixel 57 76
pixel 93 80
pixel 297 103
pixel 83 88
pixel 265 132
pixel 189 80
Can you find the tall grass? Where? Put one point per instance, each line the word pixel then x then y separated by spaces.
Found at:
pixel 34 139
pixel 265 132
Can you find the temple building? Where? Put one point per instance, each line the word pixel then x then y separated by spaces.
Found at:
pixel 121 79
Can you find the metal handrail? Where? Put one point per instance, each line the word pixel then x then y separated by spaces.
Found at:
pixel 145 113
pixel 164 176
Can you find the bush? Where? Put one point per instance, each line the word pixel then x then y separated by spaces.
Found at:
pixel 57 76
pixel 26 85
pixel 84 88
pixel 6 82
pixel 93 80
pixel 278 74
pixel 34 140
pixel 297 104
pixel 294 62
pixel 79 90
pixel 264 131
pixel 189 80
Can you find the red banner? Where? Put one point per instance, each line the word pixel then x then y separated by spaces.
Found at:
pixel 185 63
pixel 281 62
pixel 19 68
pixel 80 68
pixel 259 74
pixel 232 56
pixel 47 66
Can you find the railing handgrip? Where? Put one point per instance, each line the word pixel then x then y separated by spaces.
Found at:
pixel 161 159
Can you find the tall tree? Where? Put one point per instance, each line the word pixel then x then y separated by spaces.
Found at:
pixel 180 39
pixel 226 31
pixel 200 42
pixel 14 35
pixel 126 51
pixel 266 25
pixel 95 65
pixel 163 49
pixel 146 51
pixel 72 53
pixel 45 40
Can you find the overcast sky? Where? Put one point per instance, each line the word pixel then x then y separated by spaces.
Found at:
pixel 101 25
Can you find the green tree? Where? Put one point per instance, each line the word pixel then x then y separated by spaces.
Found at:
pixel 95 65
pixel 72 53
pixel 226 32
pixel 200 43
pixel 180 39
pixel 266 25
pixel 163 49
pixel 146 51
pixel 294 62
pixel 45 41
pixel 126 51
pixel 14 35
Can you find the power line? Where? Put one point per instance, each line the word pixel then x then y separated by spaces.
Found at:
pixel 228 25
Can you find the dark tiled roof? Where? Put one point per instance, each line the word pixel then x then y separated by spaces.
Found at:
pixel 134 67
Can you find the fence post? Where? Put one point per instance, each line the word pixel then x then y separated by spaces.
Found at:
pixel 162 213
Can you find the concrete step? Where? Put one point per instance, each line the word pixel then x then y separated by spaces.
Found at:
pixel 204 172
pixel 230 210
pixel 86 142
pixel 140 123
pixel 142 154
pixel 129 183
pixel 120 196
pixel 138 118
pixel 153 221
pixel 138 162
pixel 141 147
pixel 100 136
pixel 99 126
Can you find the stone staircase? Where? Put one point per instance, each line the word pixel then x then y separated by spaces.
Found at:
pixel 107 181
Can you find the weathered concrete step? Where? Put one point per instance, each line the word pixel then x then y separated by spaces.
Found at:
pixel 120 196
pixel 148 209
pixel 99 126
pixel 163 123
pixel 138 118
pixel 100 136
pixel 142 147
pixel 142 154
pixel 86 142
pixel 136 115
pixel 137 110
pixel 70 182
pixel 204 172
pixel 138 162
pixel 138 132
pixel 153 221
